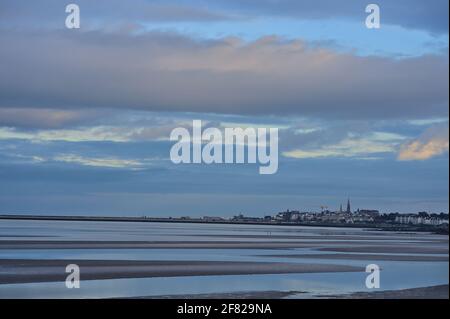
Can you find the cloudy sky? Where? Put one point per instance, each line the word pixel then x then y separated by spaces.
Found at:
pixel 86 114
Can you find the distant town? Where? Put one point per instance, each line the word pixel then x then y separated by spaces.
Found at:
pixel 347 217
pixel 364 218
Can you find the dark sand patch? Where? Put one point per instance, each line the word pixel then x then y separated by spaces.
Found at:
pixel 57 244
pixel 270 294
pixel 382 239
pixel 389 249
pixel 25 236
pixel 25 271
pixel 48 244
pixel 363 257
pixel 434 292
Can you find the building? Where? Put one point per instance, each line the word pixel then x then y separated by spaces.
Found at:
pixel 369 212
pixel 418 220
pixel 295 216
pixel 288 216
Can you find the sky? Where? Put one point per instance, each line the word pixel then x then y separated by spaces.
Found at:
pixel 86 114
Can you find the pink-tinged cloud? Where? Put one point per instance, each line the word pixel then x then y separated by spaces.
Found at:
pixel 167 72
pixel 433 142
pixel 43 117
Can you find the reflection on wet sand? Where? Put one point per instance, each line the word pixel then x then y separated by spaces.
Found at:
pixel 168 259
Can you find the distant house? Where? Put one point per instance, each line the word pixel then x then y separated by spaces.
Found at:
pixel 288 215
pixel 368 212
pixel 419 220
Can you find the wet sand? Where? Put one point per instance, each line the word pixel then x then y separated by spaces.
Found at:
pixel 390 249
pixel 270 294
pixel 26 270
pixel 363 257
pixel 382 247
pixel 382 238
pixel 433 292
pixel 327 246
pixel 47 244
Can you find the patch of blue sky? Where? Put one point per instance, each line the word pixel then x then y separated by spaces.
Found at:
pixel 340 35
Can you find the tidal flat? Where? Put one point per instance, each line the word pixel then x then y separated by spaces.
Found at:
pixel 165 260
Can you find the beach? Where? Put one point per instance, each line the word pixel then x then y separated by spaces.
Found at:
pixel 24 271
pixel 434 292
pixel 166 260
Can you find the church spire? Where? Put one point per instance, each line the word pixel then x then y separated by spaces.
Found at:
pixel 348 206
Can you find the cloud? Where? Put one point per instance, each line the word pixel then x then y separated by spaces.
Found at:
pixel 39 128
pixel 433 142
pixel 109 13
pixel 168 72
pixel 428 122
pixel 358 147
pixel 88 134
pixel 43 118
pixel 98 162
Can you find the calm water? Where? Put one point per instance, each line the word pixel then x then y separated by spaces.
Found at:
pixel 394 275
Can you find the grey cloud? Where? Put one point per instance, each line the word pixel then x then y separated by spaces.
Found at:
pixel 168 72
pixel 323 136
pixel 51 13
pixel 31 118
